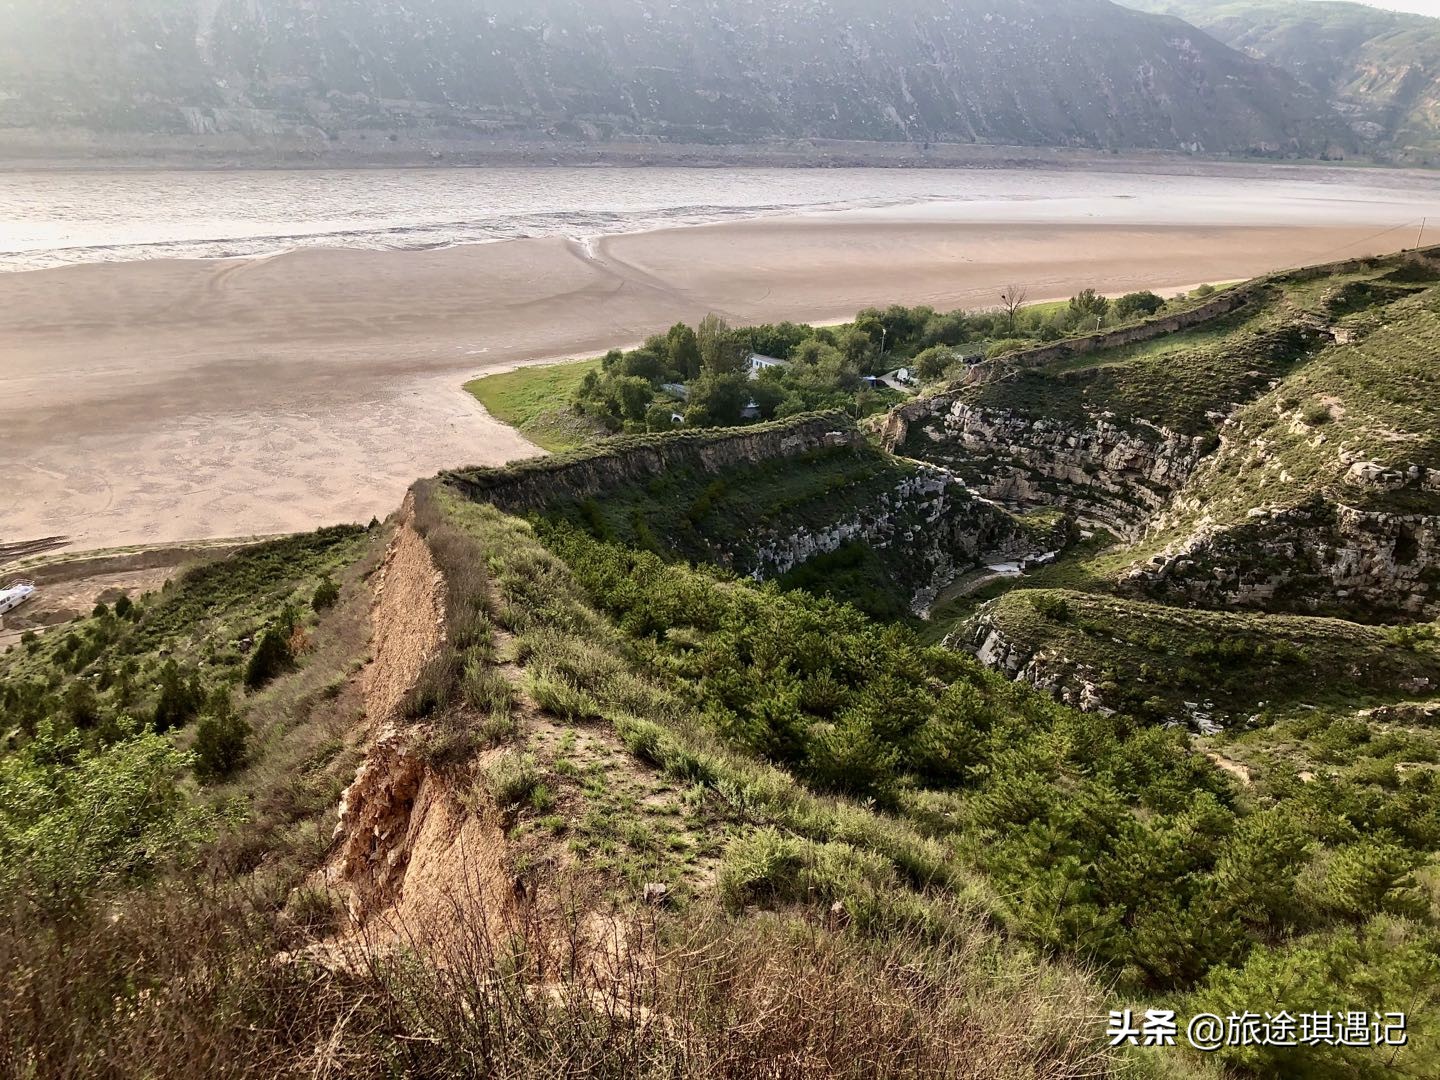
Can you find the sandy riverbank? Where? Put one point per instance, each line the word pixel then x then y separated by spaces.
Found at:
pixel 152 402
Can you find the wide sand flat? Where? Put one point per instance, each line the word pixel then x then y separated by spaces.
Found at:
pixel 159 401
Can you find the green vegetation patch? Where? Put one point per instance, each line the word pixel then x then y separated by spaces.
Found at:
pixel 1375 401
pixel 1180 390
pixel 1149 659
pixel 94 784
pixel 536 402
pixel 1103 837
pixel 728 517
pixel 154 660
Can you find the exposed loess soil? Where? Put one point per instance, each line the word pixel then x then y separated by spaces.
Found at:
pixel 408 622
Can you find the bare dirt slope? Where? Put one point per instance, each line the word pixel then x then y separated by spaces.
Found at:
pixel 416 859
pixel 408 624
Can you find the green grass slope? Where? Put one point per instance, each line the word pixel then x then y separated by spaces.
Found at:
pixel 536 402
pixel 1104 838
pixel 1151 659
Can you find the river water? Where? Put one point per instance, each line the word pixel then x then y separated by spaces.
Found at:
pixel 52 219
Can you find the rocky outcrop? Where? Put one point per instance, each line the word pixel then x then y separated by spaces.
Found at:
pixel 1105 473
pixel 538 483
pixel 931 528
pixel 1068 682
pixel 926 525
pixel 1317 558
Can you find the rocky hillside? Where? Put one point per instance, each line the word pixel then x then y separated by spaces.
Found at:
pixel 536 777
pixel 1081 73
pixel 1277 461
pixel 804 495
pixel 1379 69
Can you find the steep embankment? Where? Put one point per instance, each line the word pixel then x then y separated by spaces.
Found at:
pixel 232 73
pixel 768 500
pixel 1111 426
pixel 1278 457
pixel 429 848
pixel 1324 493
pixel 418 857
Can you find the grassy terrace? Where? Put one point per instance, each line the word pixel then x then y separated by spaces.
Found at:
pixel 705 788
pixel 536 402
pixel 698 516
pixel 1174 389
pixel 684 509
pixel 1377 400
pixel 1149 658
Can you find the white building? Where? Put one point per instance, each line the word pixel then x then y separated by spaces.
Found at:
pixel 759 363
pixel 13 596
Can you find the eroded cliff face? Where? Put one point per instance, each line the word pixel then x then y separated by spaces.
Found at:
pixel 1317 558
pixel 933 527
pixel 1322 557
pixel 1111 471
pixel 1267 509
pixel 1108 474
pixel 1069 682
pixel 413 860
pixel 536 484
pixel 922 520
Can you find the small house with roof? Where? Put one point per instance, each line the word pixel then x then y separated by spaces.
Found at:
pixel 760 363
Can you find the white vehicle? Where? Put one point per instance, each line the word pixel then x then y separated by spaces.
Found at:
pixel 15 594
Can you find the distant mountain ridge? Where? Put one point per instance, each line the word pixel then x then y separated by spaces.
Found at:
pixel 1068 73
pixel 1379 69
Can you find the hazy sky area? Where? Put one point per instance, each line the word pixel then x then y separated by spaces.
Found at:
pixel 1419 7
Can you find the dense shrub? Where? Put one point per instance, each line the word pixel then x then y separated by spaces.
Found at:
pixel 180 698
pixel 72 819
pixel 1137 305
pixel 272 657
pixel 327 594
pixel 221 739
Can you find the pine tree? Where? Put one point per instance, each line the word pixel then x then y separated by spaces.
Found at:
pixel 179 700
pixel 221 739
pixel 271 658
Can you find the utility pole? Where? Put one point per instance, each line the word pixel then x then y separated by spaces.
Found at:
pixel 1420 240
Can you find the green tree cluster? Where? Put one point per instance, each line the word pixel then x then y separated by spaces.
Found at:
pixel 826 364
pixel 272 656
pixel 1106 837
